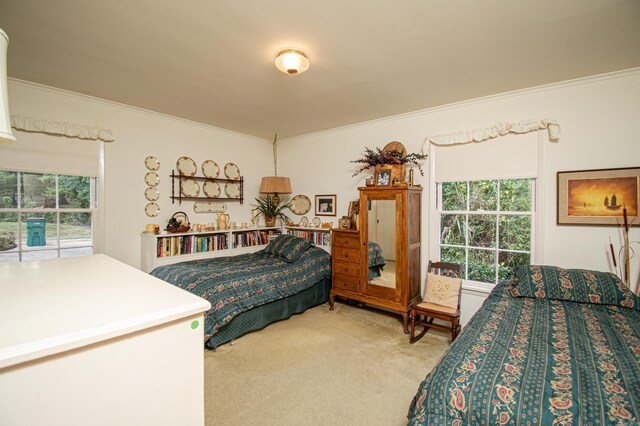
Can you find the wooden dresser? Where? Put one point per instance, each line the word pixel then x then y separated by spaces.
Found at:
pixel 379 265
pixel 345 260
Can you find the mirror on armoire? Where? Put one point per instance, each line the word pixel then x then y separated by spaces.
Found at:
pixel 381 235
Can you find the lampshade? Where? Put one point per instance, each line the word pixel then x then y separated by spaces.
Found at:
pixel 5 120
pixel 275 185
pixel 292 61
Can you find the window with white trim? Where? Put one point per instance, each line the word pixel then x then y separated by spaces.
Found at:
pixel 487 226
pixel 46 215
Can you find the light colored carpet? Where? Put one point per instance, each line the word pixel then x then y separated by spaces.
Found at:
pixel 350 366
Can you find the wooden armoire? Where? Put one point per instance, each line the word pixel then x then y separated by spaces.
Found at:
pixel 379 264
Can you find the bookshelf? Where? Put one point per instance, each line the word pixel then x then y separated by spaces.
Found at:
pixel 321 237
pixel 165 249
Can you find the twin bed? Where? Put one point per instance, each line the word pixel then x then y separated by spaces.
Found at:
pixel 554 347
pixel 249 291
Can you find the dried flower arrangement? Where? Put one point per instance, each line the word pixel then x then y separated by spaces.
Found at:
pixel 387 156
pixel 625 253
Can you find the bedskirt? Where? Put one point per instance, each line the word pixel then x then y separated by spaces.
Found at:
pixel 261 316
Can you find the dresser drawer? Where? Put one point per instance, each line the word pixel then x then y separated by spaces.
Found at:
pixel 346 254
pixel 346 268
pixel 346 240
pixel 345 283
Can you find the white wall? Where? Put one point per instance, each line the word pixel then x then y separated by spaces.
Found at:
pixel 598 116
pixel 138 134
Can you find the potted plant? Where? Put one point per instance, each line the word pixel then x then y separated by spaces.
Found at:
pixel 394 156
pixel 271 210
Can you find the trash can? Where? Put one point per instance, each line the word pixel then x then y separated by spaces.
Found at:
pixel 36 231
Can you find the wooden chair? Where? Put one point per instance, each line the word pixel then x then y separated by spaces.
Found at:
pixel 430 310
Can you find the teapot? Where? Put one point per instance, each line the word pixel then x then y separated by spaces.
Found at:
pixel 223 220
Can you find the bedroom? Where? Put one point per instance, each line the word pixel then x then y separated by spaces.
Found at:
pixel 597 114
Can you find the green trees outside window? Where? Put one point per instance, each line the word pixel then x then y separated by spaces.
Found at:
pixel 66 204
pixel 487 226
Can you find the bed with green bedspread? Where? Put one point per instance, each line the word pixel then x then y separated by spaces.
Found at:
pixel 261 286
pixel 540 360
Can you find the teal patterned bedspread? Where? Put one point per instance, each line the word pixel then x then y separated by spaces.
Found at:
pixel 530 361
pixel 239 283
pixel 375 256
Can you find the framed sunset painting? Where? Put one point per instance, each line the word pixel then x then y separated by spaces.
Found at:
pixel 598 197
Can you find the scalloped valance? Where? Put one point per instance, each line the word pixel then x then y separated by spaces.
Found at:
pixel 498 129
pixel 72 130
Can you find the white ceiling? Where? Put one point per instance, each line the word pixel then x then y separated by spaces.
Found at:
pixel 211 61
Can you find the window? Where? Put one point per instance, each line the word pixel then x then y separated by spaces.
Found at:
pixel 487 225
pixel 45 216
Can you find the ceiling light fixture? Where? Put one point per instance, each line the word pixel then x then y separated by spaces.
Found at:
pixel 292 61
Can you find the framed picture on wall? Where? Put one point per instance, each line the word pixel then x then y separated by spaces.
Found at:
pixel 383 176
pixel 599 197
pixel 326 205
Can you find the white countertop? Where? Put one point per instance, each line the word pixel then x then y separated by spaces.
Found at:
pixel 51 306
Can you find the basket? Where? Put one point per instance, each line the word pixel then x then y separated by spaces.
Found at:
pixel 174 226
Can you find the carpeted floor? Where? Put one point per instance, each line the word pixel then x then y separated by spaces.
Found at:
pixel 350 366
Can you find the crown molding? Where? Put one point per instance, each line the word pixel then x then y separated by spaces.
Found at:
pixel 465 103
pixel 475 101
pixel 118 105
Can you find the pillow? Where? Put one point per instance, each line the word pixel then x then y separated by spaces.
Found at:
pixel 288 247
pixel 576 285
pixel 442 290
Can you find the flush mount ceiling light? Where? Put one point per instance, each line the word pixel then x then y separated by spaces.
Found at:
pixel 292 61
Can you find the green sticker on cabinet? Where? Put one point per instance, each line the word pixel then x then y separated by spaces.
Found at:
pixel 194 324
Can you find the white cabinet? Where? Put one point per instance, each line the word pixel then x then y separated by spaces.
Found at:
pixel 90 340
pixel 165 249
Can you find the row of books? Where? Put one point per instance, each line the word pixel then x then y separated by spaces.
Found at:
pixel 187 244
pixel 254 238
pixel 318 238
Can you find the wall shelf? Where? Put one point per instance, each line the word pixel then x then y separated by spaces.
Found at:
pixel 176 193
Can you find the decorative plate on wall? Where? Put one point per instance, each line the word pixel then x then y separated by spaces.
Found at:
pixel 152 163
pixel 300 204
pixel 210 169
pixel 186 166
pixel 190 188
pixel 152 209
pixel 152 178
pixel 304 221
pixel 232 189
pixel 316 222
pixel 231 171
pixel 151 194
pixel 211 189
pixel 209 207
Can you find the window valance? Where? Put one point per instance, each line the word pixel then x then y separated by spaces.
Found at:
pixel 72 130
pixel 498 129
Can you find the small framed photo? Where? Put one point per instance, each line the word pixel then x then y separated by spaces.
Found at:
pixel 326 205
pixel 599 197
pixel 383 176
